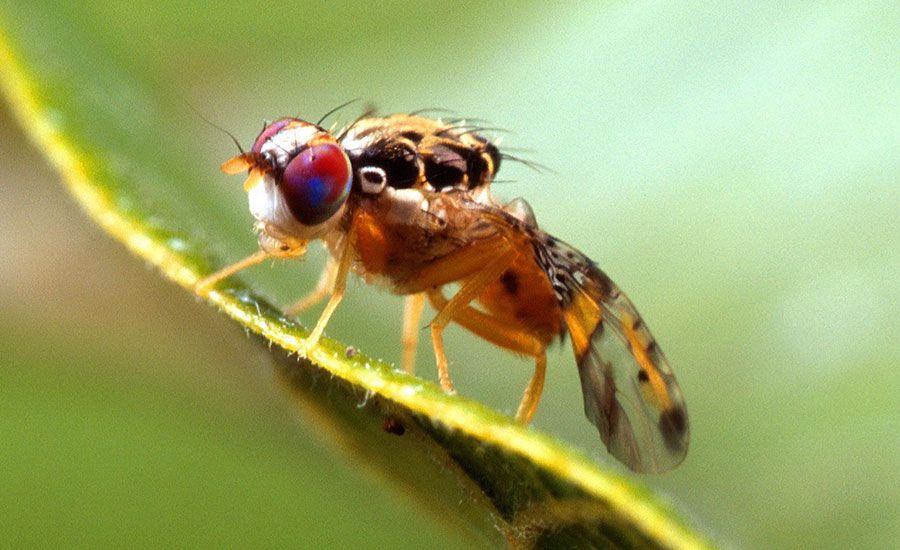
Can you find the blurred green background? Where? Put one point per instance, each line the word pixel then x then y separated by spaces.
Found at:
pixel 733 168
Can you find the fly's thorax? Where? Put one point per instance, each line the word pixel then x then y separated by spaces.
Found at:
pixel 407 151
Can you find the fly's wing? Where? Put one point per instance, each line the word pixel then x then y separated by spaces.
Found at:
pixel 630 393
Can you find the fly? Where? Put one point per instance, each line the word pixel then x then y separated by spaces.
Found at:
pixel 404 202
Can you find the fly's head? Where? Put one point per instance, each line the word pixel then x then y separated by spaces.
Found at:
pixel 298 182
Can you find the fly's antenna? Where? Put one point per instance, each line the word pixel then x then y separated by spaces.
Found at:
pixel 336 109
pixel 216 126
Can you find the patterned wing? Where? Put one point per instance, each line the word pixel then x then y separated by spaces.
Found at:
pixel 630 393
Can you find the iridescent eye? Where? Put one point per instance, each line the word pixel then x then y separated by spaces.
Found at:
pixel 316 182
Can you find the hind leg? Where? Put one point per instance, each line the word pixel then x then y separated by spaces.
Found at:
pixel 470 290
pixel 515 340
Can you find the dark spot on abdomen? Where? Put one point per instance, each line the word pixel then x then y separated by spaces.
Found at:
pixel 510 282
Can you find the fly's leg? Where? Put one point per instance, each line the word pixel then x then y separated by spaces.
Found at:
pixel 337 294
pixel 470 290
pixel 412 314
pixel 205 285
pixel 323 287
pixel 532 396
pixel 498 333
pixel 269 247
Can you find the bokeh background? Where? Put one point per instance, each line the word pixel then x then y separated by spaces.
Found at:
pixel 733 167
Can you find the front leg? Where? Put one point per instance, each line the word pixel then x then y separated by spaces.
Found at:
pixel 269 247
pixel 203 286
pixel 337 294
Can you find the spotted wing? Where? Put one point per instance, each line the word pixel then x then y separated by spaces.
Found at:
pixel 630 393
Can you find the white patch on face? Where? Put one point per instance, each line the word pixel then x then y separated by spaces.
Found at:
pixel 267 203
pixel 285 143
pixel 268 206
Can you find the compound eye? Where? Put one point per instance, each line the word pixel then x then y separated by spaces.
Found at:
pixel 316 183
pixel 372 179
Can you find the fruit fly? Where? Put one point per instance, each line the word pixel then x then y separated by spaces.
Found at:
pixel 404 202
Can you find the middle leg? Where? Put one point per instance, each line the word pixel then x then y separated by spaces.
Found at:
pixel 412 314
